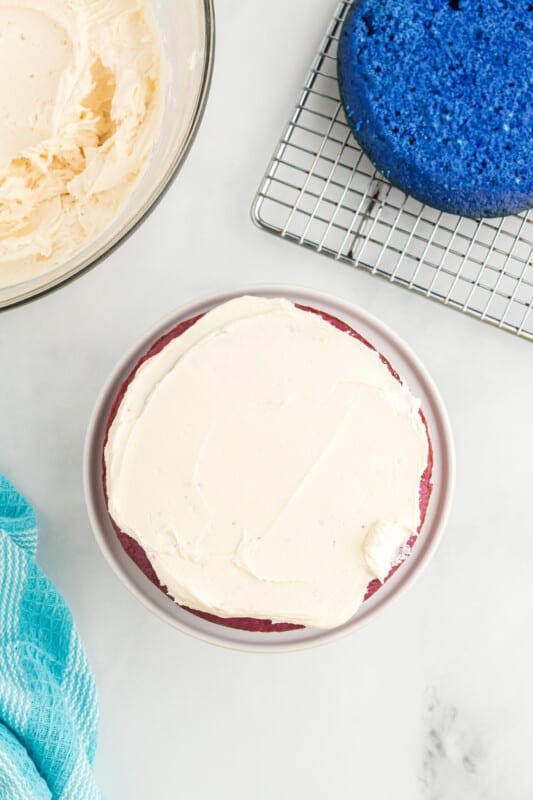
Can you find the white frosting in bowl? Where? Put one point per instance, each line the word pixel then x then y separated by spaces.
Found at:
pixel 268 463
pixel 80 107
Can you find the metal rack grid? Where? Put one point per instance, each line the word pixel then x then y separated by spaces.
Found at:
pixel 320 191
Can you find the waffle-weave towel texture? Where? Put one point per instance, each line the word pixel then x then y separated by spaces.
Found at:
pixel 48 707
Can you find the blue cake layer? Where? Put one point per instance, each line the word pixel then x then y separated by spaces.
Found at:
pixel 439 94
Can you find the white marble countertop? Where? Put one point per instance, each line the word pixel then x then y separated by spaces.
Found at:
pixel 433 699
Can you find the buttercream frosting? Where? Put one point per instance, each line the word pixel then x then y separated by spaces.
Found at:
pixel 268 463
pixel 80 106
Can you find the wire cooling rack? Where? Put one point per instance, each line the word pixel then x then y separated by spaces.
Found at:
pixel 320 191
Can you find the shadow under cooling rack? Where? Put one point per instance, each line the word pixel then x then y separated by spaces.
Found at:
pixel 321 192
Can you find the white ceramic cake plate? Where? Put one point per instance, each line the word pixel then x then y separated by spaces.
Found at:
pixel 409 368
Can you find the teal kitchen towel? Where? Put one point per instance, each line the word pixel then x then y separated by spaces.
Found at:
pixel 48 709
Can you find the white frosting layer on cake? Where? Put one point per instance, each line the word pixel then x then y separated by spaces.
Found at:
pixel 268 463
pixel 80 106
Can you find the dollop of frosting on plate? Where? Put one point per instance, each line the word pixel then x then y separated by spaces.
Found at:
pixel 80 107
pixel 268 463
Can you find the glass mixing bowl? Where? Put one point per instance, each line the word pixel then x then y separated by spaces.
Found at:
pixel 186 28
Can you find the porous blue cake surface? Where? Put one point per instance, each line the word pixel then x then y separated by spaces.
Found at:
pixel 439 94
